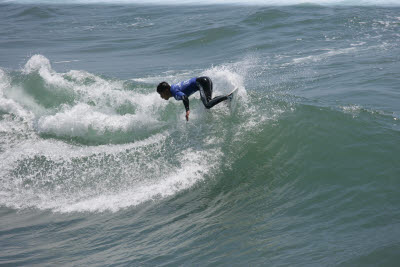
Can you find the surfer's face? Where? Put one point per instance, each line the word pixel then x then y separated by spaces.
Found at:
pixel 164 95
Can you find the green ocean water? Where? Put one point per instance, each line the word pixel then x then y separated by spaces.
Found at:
pixel 96 169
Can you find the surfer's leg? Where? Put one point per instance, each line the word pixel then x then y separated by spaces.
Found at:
pixel 203 96
pixel 207 85
pixel 216 100
pixel 206 88
pixel 209 104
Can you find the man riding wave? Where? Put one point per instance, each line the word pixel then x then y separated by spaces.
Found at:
pixel 182 91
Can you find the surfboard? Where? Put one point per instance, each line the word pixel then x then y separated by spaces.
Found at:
pixel 232 99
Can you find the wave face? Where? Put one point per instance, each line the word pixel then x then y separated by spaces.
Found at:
pixel 76 123
pixel 97 169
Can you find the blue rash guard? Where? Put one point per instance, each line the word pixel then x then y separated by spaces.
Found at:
pixel 182 90
pixel 185 88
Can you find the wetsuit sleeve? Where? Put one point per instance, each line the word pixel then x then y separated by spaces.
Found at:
pixel 179 95
pixel 185 100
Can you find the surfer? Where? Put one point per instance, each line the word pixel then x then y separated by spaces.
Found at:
pixel 182 91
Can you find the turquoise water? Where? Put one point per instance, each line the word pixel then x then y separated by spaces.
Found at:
pixel 96 169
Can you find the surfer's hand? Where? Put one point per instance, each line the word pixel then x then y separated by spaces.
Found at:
pixel 187 115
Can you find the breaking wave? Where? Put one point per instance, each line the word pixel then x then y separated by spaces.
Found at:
pixel 76 141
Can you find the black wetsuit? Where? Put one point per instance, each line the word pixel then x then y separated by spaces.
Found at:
pixel 206 88
pixel 182 91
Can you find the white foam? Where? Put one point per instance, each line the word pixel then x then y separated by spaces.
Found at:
pixel 168 76
pixel 111 93
pixel 356 110
pixel 322 56
pixel 358 44
pixel 81 118
pixel 36 63
pixel 73 195
pixel 59 151
pixel 224 79
pixel 96 101
pixel 8 105
pixel 40 64
pixel 227 77
pixel 192 170
pixel 66 61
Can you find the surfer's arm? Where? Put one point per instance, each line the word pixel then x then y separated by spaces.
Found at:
pixel 185 100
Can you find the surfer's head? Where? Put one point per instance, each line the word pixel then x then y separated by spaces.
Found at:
pixel 164 89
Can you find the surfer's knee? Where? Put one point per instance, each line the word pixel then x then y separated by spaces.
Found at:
pixel 207 106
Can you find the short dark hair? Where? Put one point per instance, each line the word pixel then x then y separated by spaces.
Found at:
pixel 162 87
